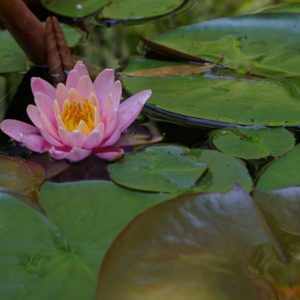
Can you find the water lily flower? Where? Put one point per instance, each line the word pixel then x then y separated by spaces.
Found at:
pixel 78 118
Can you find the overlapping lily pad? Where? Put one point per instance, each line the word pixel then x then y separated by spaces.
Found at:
pixel 175 169
pixel 12 57
pixel 282 172
pixel 135 10
pixel 224 99
pixel 206 246
pixel 253 143
pixel 261 43
pixel 57 255
pixel 158 169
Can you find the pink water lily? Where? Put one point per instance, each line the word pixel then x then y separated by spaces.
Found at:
pixel 78 118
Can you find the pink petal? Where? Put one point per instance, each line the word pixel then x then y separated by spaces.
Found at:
pixel 17 129
pixel 104 84
pixel 36 143
pixel 85 87
pixel 108 110
pixel 72 139
pixel 50 139
pixel 130 109
pixel 117 93
pixel 75 154
pixel 34 115
pixel 112 139
pixel 72 79
pixel 73 95
pixel 110 153
pixel 42 86
pixel 95 137
pixel 81 68
pixel 45 105
pixel 26 134
pixel 61 94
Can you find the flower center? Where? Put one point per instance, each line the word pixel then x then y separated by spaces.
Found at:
pixel 75 115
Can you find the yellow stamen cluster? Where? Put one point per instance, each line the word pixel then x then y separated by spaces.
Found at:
pixel 76 115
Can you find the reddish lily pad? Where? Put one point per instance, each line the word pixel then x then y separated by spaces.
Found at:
pixel 21 177
pixel 206 246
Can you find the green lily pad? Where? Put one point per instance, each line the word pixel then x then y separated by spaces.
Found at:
pixel 202 246
pixel 12 57
pixel 224 171
pixel 282 172
pixel 133 10
pixel 74 8
pixel 197 98
pixel 21 177
pixel 176 169
pixel 158 169
pixel 57 255
pixel 265 44
pixel 253 143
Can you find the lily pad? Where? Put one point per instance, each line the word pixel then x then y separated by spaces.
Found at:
pixel 12 57
pixel 21 177
pixel 158 169
pixel 176 169
pixel 198 98
pixel 253 143
pixel 57 255
pixel 282 172
pixel 283 7
pixel 74 8
pixel 224 172
pixel 265 44
pixel 201 246
pixel 135 10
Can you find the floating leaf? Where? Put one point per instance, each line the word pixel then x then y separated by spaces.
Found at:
pixel 175 169
pixel 261 43
pixel 282 172
pixel 158 169
pixel 253 143
pixel 12 57
pixel 283 7
pixel 197 98
pixel 21 177
pixel 224 172
pixel 74 8
pixel 135 10
pixel 58 257
pixel 203 246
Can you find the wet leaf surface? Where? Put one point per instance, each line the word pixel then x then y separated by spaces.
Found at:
pixel 224 172
pixel 206 246
pixel 21 177
pixel 158 169
pixel 243 100
pixel 282 172
pixel 176 169
pixel 132 10
pixel 261 43
pixel 57 255
pixel 253 143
